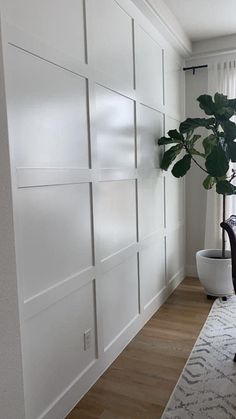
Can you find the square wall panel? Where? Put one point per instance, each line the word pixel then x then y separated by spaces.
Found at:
pixel 58 23
pixel 54 237
pixel 115 216
pixel 175 252
pixel 115 129
pixel 151 205
pixel 175 201
pixel 152 270
pixel 150 128
pixel 110 45
pixel 54 352
pixel 47 113
pixel 174 82
pixel 119 290
pixel 149 69
pixel 171 123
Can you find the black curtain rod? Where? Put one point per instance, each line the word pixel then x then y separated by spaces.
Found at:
pixel 194 67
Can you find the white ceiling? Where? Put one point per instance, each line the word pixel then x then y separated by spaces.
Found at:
pixel 203 19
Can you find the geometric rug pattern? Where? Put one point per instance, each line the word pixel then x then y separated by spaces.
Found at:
pixel 207 385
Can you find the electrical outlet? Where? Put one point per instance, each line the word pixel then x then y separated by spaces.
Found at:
pixel 87 339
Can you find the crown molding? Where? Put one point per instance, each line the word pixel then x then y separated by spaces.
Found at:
pixel 166 23
pixel 214 46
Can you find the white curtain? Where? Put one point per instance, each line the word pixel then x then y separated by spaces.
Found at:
pixel 222 79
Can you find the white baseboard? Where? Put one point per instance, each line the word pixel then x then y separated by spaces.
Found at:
pixel 80 386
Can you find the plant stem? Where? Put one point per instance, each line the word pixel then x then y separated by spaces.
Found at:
pixel 232 176
pixel 223 230
pixel 195 161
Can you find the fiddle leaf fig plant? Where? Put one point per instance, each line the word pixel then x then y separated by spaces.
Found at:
pixel 217 150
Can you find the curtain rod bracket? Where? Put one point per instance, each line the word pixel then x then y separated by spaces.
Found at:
pixel 195 67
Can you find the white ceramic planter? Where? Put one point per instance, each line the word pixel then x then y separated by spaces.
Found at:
pixel 215 274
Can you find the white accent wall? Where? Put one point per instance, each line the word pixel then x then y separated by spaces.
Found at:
pixel 99 228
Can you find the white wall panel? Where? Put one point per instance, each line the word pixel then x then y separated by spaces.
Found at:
pixel 110 46
pixel 115 129
pixel 59 23
pixel 54 348
pixel 175 194
pixel 116 216
pixel 150 128
pixel 119 299
pixel 174 189
pixel 149 69
pixel 171 123
pixel 174 99
pixel 54 235
pixel 48 113
pixel 152 270
pixel 175 253
pixel 151 205
pixel 90 201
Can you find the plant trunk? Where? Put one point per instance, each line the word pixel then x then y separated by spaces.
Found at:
pixel 223 230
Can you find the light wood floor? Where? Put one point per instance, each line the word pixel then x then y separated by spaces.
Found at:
pixel 140 381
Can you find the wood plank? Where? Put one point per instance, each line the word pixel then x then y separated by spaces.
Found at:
pixel 140 381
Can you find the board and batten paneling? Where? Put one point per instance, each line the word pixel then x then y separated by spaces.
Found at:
pixel 174 216
pixel 99 228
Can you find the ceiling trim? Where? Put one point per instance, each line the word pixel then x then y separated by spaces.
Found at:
pixel 219 45
pixel 166 23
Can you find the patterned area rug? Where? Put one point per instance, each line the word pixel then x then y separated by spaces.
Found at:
pixel 207 385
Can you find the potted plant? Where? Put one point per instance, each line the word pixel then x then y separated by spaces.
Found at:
pixel 213 156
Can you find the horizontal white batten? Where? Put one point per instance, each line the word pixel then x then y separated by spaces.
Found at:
pixel 34 177
pixel 160 108
pixel 31 177
pixel 151 239
pixel 117 258
pixel 144 172
pixel 29 44
pixel 117 174
pixel 46 298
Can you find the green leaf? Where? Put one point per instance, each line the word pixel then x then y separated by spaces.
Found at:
pixel 217 163
pixel 193 140
pixel 209 143
pixel 165 141
pixel 232 151
pixel 229 128
pixel 191 123
pixel 220 100
pixel 182 166
pixel 224 187
pixel 206 103
pixel 232 103
pixel 170 155
pixel 194 152
pixel 209 182
pixel 224 113
pixel 173 133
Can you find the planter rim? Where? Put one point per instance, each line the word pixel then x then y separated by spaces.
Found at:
pixel 210 253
